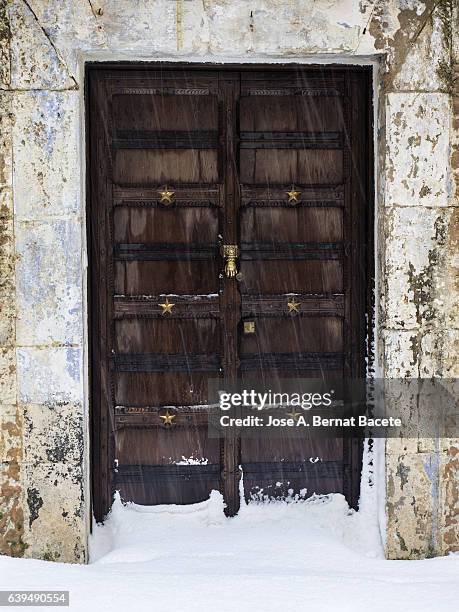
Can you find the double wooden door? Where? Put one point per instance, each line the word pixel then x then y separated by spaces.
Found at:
pixel 227 220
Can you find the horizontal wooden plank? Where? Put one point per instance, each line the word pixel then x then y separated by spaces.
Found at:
pixel 150 416
pixel 332 196
pixel 290 250
pixel 279 470
pixel 168 252
pixel 276 305
pixel 185 306
pixel 151 196
pixel 291 140
pixel 161 82
pixel 166 139
pixel 291 361
pixel 292 84
pixel 163 362
pixel 151 474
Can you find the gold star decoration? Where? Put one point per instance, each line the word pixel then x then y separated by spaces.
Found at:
pixel 293 306
pixel 293 195
pixel 167 307
pixel 166 196
pixel 294 415
pixel 167 418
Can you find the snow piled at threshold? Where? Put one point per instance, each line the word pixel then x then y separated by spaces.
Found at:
pixel 144 533
pixel 313 554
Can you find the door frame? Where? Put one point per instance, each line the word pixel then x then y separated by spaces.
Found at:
pixel 100 489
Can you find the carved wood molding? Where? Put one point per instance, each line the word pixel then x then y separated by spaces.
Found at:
pixel 184 196
pixel 185 307
pixel 320 196
pixel 276 305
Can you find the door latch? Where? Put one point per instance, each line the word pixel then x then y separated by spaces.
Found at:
pixel 249 327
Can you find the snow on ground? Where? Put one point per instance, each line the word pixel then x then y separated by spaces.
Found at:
pixel 309 555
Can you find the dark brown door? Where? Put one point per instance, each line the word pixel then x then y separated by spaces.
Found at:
pixel 184 161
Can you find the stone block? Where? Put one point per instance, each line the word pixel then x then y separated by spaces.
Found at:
pixel 401 446
pixel 274 28
pixel 7 375
pixel 7 254
pixel 49 375
pixel 49 283
pixel 53 433
pixel 46 143
pixel 54 512
pixel 5 64
pixel 35 63
pixel 412 484
pixel 416 248
pixel 418 149
pixel 401 353
pixel 7 314
pixel 449 515
pixel 11 510
pixel 139 26
pixel 430 353
pixel 419 69
pixel 6 202
pixel 449 280
pixel 6 143
pixel 439 354
pixel 11 431
pixel 7 270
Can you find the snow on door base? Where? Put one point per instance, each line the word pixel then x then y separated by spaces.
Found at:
pixel 140 533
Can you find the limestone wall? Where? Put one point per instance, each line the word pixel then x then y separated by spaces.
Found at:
pixel 44 505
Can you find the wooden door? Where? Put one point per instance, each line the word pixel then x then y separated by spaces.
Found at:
pixel 181 162
pixel 303 182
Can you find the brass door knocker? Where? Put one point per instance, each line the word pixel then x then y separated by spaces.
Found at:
pixel 230 253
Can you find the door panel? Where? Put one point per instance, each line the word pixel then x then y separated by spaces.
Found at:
pixel 176 226
pixel 165 388
pixel 188 336
pixel 260 113
pixel 165 112
pixel 134 166
pixel 294 173
pixel 291 225
pixel 156 277
pixel 273 335
pixel 282 166
pixel 181 161
pixel 135 447
pixel 273 276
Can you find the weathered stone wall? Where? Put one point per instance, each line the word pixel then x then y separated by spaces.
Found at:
pixel 44 506
pixel 419 289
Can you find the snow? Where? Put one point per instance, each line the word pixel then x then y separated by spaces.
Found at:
pixel 190 461
pixel 311 554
